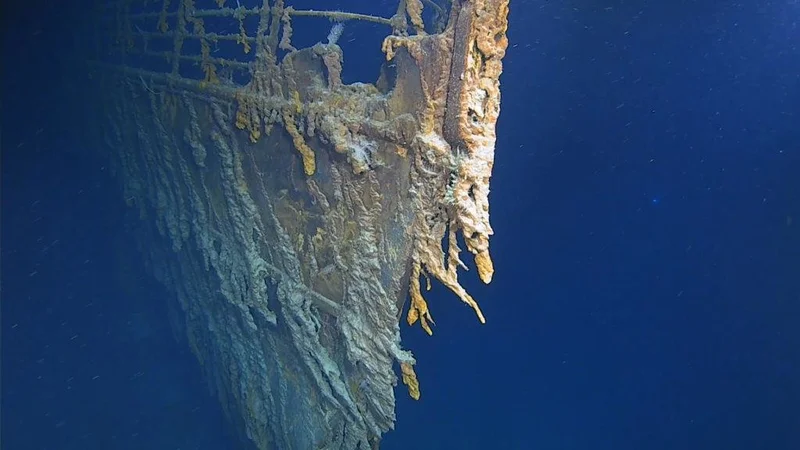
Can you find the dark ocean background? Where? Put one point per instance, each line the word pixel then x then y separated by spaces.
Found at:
pixel 646 208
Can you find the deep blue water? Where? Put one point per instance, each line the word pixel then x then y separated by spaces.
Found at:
pixel 646 208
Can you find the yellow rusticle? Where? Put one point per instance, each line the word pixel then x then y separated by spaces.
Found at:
pixel 418 310
pixel 248 118
pixel 485 266
pixel 410 379
pixel 309 162
pixel 288 115
pixel 414 10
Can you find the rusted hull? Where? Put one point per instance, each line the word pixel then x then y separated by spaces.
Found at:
pixel 290 216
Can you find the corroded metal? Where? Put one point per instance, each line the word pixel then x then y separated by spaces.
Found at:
pixel 291 214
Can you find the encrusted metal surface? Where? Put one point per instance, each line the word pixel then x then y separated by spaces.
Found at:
pixel 290 213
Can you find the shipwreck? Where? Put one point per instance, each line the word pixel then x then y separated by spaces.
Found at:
pixel 297 219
